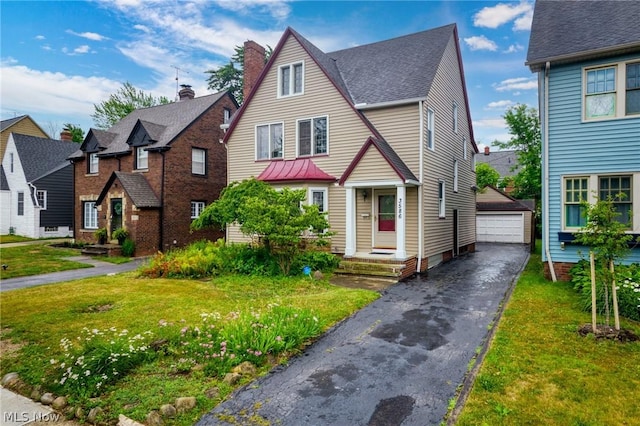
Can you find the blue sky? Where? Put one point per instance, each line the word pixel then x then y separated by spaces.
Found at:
pixel 59 58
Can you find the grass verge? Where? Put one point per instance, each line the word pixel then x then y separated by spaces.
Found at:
pixel 36 259
pixel 142 305
pixel 6 239
pixel 539 370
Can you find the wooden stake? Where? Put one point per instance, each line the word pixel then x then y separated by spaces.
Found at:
pixel 614 295
pixel 593 291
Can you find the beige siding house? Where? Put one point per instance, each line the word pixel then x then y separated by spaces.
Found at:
pixel 378 135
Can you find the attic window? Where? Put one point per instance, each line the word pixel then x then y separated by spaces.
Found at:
pixel 291 79
pixel 142 158
pixel 92 165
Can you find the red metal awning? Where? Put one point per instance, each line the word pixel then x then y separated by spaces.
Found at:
pixel 302 169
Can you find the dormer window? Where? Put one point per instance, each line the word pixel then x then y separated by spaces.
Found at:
pixel 142 158
pixel 291 79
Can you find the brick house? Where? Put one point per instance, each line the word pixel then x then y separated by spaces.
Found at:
pixel 153 172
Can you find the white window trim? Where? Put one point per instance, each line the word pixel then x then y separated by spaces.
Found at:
pixel 442 203
pixel 455 118
pixel 255 141
pixel 325 196
pixel 593 188
pixel 204 161
pixel 199 206
pixel 85 204
pixel 291 79
pixel 620 91
pixel 11 168
pixel 44 198
pixel 326 117
pixel 464 148
pixel 20 195
pixel 431 129
pixel 145 155
pixel 94 166
pixel 455 175
pixel 473 161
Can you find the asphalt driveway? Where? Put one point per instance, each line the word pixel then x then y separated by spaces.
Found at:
pixel 398 361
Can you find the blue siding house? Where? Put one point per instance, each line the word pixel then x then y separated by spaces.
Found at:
pixel 587 56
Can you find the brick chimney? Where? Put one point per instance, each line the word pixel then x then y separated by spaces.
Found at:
pixel 253 64
pixel 65 135
pixel 486 150
pixel 186 92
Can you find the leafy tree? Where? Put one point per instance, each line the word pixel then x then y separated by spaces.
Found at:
pixel 278 220
pixel 230 76
pixel 77 134
pixel 486 175
pixel 607 241
pixel 524 126
pixel 120 104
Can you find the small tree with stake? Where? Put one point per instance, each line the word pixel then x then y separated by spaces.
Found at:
pixel 607 241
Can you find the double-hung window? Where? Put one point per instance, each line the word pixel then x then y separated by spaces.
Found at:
pixel 226 115
pixel 196 209
pixel 455 175
pixel 313 136
pixel 269 141
pixel 318 196
pixel 198 161
pixel 92 166
pixel 142 158
pixel 455 117
pixel 41 196
pixel 430 129
pixel 90 217
pixel 20 203
pixel 576 191
pixel 291 79
pixel 441 200
pixel 612 91
pixel 618 190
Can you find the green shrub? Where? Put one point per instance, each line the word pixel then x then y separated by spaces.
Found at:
pixel 627 288
pixel 128 247
pixel 316 260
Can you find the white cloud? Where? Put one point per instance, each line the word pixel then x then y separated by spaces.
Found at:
pixel 514 48
pixel 481 43
pixel 520 83
pixel 40 37
pixel 142 28
pixel 503 104
pixel 88 35
pixel 500 14
pixel 276 8
pixel 81 49
pixel 496 123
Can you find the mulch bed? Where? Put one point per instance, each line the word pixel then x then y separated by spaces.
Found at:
pixel 608 332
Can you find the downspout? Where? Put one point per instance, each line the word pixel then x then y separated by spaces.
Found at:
pixel 546 171
pixel 420 190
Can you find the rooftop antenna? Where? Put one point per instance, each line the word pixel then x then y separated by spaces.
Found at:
pixel 178 81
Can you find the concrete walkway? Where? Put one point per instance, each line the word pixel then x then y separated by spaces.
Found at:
pixel 17 410
pixel 398 361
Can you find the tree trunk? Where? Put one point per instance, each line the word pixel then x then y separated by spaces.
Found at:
pixel 594 312
pixel 614 296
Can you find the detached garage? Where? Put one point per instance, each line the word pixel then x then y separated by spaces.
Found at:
pixel 501 218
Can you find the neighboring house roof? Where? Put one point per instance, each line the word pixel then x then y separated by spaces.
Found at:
pixel 5 124
pixel 387 153
pixel 136 187
pixel 302 169
pixel 502 161
pixel 395 70
pixel 569 31
pixel 503 202
pixel 164 122
pixel 41 156
pixel 4 185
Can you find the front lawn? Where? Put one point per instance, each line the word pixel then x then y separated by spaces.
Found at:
pixel 36 319
pixel 6 239
pixel 539 370
pixel 36 259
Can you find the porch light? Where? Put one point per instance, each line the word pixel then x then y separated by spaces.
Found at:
pixel 365 194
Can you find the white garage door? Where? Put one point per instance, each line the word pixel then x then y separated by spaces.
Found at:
pixel 500 228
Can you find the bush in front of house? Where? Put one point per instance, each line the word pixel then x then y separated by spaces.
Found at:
pixel 627 288
pixel 128 247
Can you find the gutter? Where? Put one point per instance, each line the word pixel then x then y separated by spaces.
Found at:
pixel 420 189
pixel 364 105
pixel 545 156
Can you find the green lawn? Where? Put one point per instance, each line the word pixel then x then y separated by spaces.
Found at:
pixel 6 239
pixel 540 371
pixel 39 317
pixel 36 259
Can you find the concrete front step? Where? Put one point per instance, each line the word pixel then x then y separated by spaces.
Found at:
pixel 102 250
pixel 370 268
